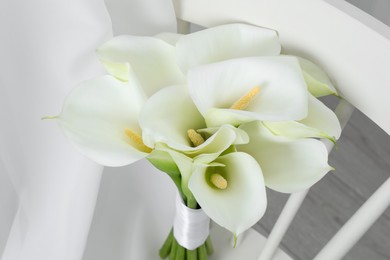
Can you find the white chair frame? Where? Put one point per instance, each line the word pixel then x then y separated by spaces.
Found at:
pixel 353 47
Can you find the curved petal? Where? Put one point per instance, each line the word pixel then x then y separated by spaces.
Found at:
pixel 214 88
pixel 185 165
pixel 95 115
pixel 242 203
pixel 152 60
pixel 169 37
pixel 225 42
pixel 321 122
pixel 323 118
pixel 294 129
pixel 219 142
pixel 166 117
pixel 289 165
pixel 242 137
pixel 316 79
pixel 170 113
pixel 163 161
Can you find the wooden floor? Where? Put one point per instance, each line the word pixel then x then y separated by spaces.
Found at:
pixel 362 163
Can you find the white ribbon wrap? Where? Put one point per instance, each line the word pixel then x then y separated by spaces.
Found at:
pixel 191 226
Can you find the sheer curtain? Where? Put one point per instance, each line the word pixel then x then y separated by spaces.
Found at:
pixel 48 191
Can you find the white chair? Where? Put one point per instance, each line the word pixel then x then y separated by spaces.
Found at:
pixel 354 49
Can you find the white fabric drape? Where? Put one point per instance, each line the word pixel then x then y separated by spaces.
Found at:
pixel 48 190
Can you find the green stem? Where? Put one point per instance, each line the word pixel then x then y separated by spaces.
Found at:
pixel 180 252
pixel 166 247
pixel 172 255
pixel 192 254
pixel 177 181
pixel 191 203
pixel 202 252
pixel 209 246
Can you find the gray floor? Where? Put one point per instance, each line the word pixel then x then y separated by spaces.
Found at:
pixel 362 163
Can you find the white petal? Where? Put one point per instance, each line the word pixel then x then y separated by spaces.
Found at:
pixel 216 87
pixel 185 165
pixel 170 113
pixel 241 136
pixel 288 165
pixel 242 203
pixel 163 161
pixel 294 129
pixel 323 118
pixel 316 79
pixel 166 117
pixel 95 115
pixel 152 60
pixel 321 122
pixel 225 42
pixel 219 142
pixel 119 70
pixel 168 37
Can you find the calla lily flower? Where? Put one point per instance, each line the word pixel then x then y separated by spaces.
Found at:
pixel 225 42
pixel 150 60
pixel 248 89
pixel 321 122
pixel 229 188
pixel 100 117
pixel 288 164
pixel 231 191
pixel 317 81
pixel 287 108
pixel 170 117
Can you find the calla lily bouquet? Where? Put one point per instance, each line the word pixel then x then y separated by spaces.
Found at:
pixel 220 110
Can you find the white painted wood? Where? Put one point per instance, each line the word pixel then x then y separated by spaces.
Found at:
pixel 283 223
pixel 352 46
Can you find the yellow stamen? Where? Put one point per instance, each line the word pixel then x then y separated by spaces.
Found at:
pixel 137 140
pixel 195 138
pixel 244 101
pixel 218 181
